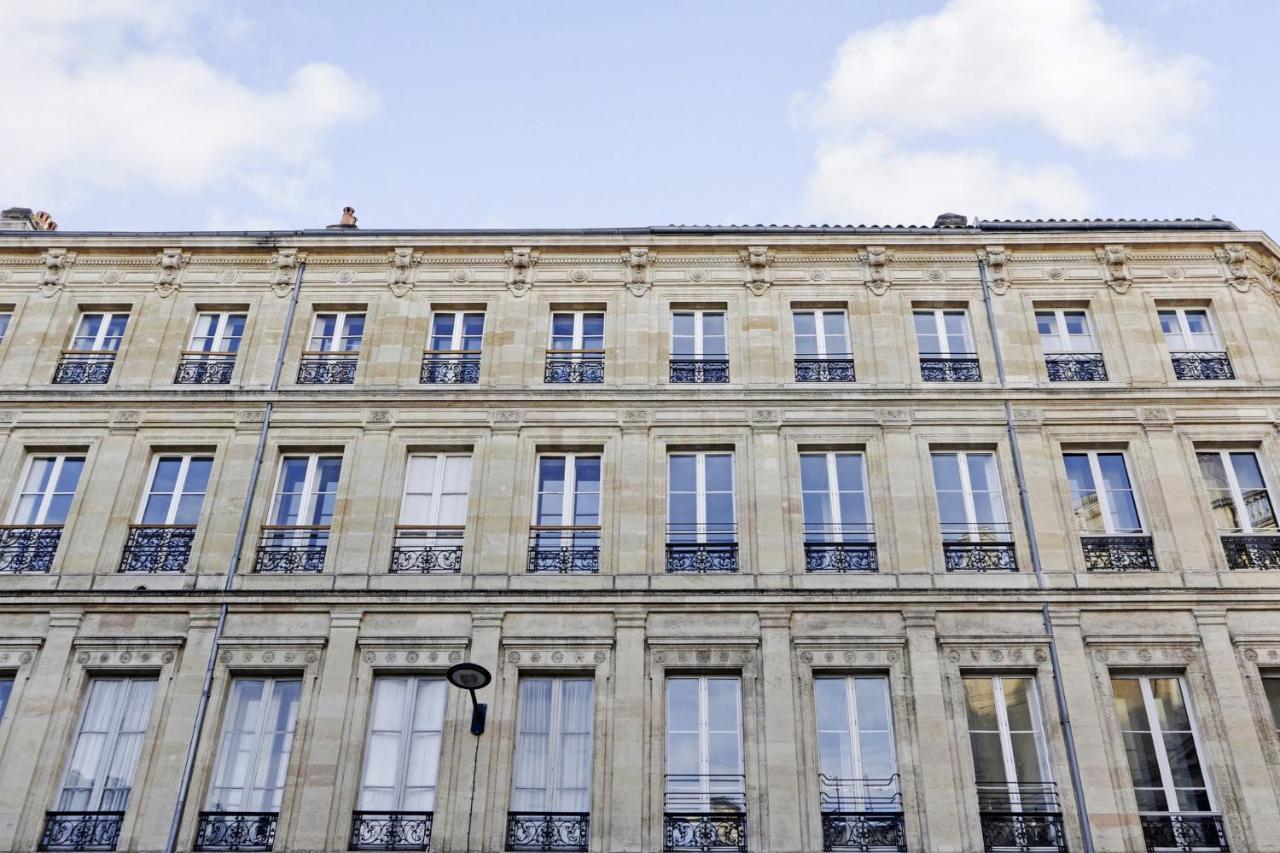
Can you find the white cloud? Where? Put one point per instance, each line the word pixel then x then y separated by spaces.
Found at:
pixel 108 94
pixel 870 180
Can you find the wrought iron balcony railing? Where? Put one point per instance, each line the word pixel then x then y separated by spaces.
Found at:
pixel 568 831
pixel 1252 550
pixel 705 813
pixel 205 368
pixel 1183 831
pixel 1075 367
pixel 840 548
pixel 391 830
pixel 327 368
pixel 564 550
pixel 978 548
pixel 863 815
pixel 81 830
pixel 157 548
pixel 287 549
pixel 696 369
pixel 1021 818
pixel 829 368
pixel 574 366
pixel 427 550
pixel 28 548
pixel 700 548
pixel 236 831
pixel 953 367
pixel 1202 365
pixel 450 367
pixel 83 367
pixel 1127 552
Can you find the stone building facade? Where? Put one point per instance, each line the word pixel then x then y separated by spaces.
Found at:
pixel 772 539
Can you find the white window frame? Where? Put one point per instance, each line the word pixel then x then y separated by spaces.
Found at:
pixel 46 496
pixel 1157 739
pixel 100 336
pixel 1184 328
pixel 859 790
pixel 554 776
pixel 308 492
pixel 706 791
pixel 436 491
pixel 1066 344
pixel 1006 740
pixel 579 323
pixel 111 742
pixel 458 333
pixel 1104 497
pixel 940 330
pixel 700 491
pixel 966 489
pixel 1237 494
pixel 333 343
pixel 698 314
pixel 570 492
pixel 219 337
pixel 179 485
pixel 407 732
pixel 820 331
pixel 260 734
pixel 833 496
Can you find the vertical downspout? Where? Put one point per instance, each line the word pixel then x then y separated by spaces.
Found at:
pixel 1077 786
pixel 188 767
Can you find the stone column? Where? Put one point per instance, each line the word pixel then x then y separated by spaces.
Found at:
pixel 366 517
pixel 628 793
pixel 631 551
pixel 469 827
pixel 936 778
pixel 766 520
pixel 497 516
pixel 906 537
pixel 780 764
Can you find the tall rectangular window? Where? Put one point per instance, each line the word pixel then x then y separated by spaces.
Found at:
pixel 253 751
pixel 301 513
pixel 1070 352
pixel 856 756
pixel 701 528
pixel 975 530
pixel 945 343
pixel 705 786
pixel 699 346
pixel 39 512
pixel 575 353
pixel 108 742
pixel 332 348
pixel 453 348
pixel 210 357
pixel 1107 513
pixel 6 317
pixel 823 351
pixel 565 536
pixel 89 359
pixel 1175 803
pixel 1238 494
pixel 161 539
pixel 838 535
pixel 6 690
pixel 1193 344
pixel 433 513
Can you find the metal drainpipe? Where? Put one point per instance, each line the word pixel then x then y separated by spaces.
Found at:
pixel 188 767
pixel 1077 786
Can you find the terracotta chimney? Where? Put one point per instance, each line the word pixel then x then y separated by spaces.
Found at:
pixel 348 219
pixel 22 219
pixel 43 221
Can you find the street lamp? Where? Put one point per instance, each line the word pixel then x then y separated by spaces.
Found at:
pixel 471 677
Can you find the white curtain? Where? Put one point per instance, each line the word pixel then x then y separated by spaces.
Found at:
pixel 257 739
pixel 402 755
pixel 553 746
pixel 105 754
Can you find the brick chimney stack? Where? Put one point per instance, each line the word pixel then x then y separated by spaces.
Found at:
pixel 22 219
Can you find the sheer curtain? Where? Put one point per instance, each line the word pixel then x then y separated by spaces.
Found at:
pixel 402 756
pixel 553 746
pixel 257 739
pixel 108 743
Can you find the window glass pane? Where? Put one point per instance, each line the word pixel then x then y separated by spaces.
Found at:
pixel 837 333
pixel 927 333
pixel 442 332
pixel 1084 495
pixel 1270 685
pixel 805 327
pixel 4 324
pixel 719 472
pixel 593 330
pixel 980 703
pixel 472 331
pixel 6 689
pixel 1124 506
pixel 956 324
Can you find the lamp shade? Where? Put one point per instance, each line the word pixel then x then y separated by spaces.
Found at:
pixel 468 676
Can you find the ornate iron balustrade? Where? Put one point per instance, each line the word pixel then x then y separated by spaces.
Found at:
pixel 578 366
pixel 1025 818
pixel 1252 551
pixel 287 549
pixel 863 815
pixel 688 369
pixel 957 367
pixel 549 831
pixel 83 367
pixel 427 550
pixel 702 547
pixel 327 368
pixel 1202 365
pixel 450 367
pixel 391 830
pixel 1122 553
pixel 832 368
pixel 564 550
pixel 1075 367
pixel 840 548
pixel 1185 831
pixel 978 548
pixel 81 830
pixel 706 813
pixel 28 548
pixel 205 368
pixel 157 548
pixel 236 831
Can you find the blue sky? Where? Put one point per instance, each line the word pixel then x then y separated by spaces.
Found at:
pixel 191 115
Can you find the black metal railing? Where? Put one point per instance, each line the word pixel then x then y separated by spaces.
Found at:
pixel 288 549
pixel 1075 367
pixel 1128 552
pixel 157 548
pixel 863 815
pixel 694 369
pixel 840 548
pixel 1184 831
pixel 564 550
pixel 236 831
pixel 391 830
pixel 327 368
pixel 427 550
pixel 1252 551
pixel 28 548
pixel 574 366
pixel 978 548
pixel 1023 818
pixel 699 548
pixel 1202 365
pixel 569 831
pixel 705 813
pixel 836 367
pixel 954 367
pixel 450 367
pixel 81 830
pixel 83 367
pixel 205 368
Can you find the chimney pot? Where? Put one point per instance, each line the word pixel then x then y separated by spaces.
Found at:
pixel 951 220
